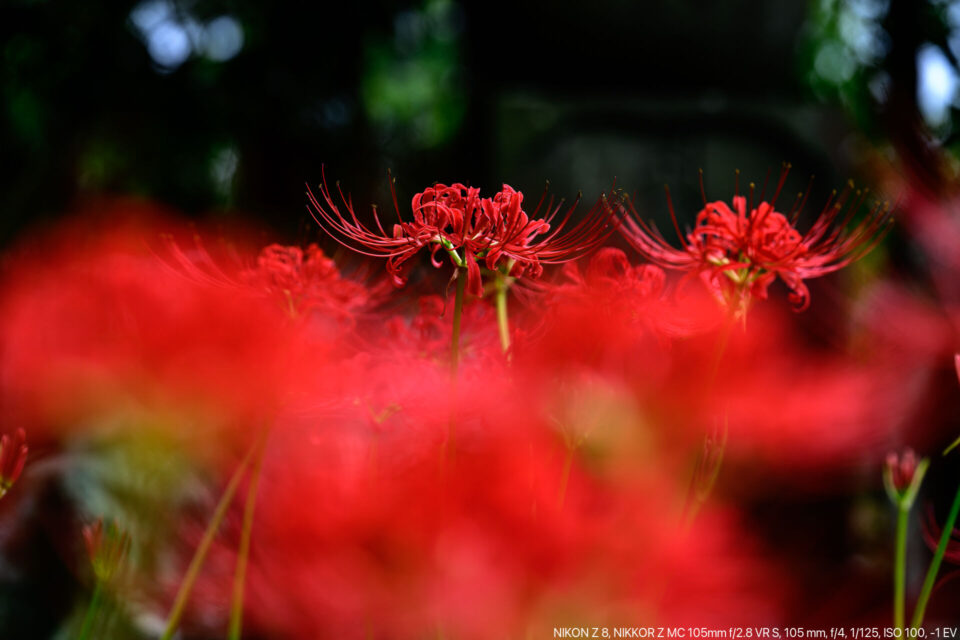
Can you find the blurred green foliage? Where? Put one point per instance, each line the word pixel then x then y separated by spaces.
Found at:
pixel 412 84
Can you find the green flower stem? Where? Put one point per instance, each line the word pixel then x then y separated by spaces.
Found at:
pixel 698 493
pixel 200 555
pixel 721 349
pixel 243 554
pixel 92 611
pixel 931 578
pixel 503 321
pixel 900 565
pixel 953 445
pixel 457 315
pixel 451 251
pixel 448 446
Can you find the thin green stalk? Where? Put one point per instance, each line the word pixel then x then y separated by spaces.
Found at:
pixel 451 251
pixel 243 554
pixel 503 282
pixel 953 445
pixel 448 445
pixel 931 578
pixel 697 495
pixel 725 332
pixel 457 314
pixel 92 610
pixel 502 319
pixel 200 555
pixel 900 566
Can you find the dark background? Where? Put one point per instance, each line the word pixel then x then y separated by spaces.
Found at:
pixel 160 98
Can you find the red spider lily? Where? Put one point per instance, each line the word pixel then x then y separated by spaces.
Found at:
pixel 13 455
pixel 739 252
pixel 455 219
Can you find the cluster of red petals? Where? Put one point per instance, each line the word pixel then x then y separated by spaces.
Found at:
pixel 307 279
pixel 103 326
pixel 456 220
pixel 427 331
pixel 739 252
pixel 638 294
pixel 364 523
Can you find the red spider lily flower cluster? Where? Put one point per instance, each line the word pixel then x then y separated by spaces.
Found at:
pixel 739 252
pixel 13 455
pixel 456 220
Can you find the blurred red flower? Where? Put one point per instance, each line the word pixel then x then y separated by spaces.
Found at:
pixel 99 324
pixel 365 531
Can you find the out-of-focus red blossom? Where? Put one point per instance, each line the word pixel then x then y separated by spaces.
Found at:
pixel 803 408
pixel 917 337
pixel 456 220
pixel 718 551
pixel 13 455
pixel 303 282
pixel 610 274
pixel 364 531
pixel 635 296
pixel 903 326
pixel 307 279
pixel 97 323
pixel 428 332
pixel 613 317
pixel 739 252
pixel 787 406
